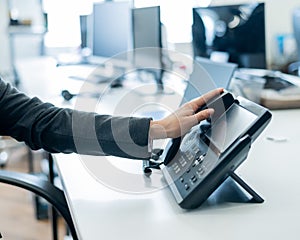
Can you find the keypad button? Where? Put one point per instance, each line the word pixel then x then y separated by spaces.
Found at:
pixel 194 178
pixel 201 171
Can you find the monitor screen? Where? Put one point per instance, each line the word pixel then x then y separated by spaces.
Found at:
pixel 111 28
pixel 206 76
pixel 146 27
pixel 236 30
pixel 146 30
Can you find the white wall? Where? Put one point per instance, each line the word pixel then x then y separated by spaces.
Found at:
pixel 24 45
pixel 4 50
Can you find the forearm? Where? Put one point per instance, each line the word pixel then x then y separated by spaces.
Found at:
pixel 42 125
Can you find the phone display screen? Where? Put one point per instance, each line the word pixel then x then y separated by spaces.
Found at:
pixel 229 127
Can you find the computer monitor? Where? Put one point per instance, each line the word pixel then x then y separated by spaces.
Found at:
pixel 206 76
pixel 146 27
pixel 235 30
pixel 147 43
pixel 111 31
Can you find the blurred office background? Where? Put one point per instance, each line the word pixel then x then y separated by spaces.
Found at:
pixel 64 34
pixel 35 28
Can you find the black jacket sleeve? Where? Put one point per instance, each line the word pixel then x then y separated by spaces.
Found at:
pixel 42 125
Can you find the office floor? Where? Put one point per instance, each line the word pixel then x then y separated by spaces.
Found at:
pixel 17 216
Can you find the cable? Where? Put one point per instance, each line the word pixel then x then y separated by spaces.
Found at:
pixel 153 162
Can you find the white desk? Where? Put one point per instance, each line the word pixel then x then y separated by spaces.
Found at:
pixel 105 212
pixel 272 169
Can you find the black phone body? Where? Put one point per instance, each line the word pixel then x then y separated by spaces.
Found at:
pixel 196 164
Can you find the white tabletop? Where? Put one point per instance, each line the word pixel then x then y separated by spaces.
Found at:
pixel 110 198
pixel 102 209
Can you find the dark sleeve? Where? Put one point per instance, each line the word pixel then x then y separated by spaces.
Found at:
pixel 42 125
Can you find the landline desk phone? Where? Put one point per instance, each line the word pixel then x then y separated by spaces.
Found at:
pixel 195 165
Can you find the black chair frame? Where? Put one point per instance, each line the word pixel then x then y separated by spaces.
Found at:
pixel 44 189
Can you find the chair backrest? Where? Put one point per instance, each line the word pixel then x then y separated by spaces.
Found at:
pixel 42 188
pixel 296 28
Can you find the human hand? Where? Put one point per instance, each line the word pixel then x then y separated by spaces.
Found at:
pixel 184 118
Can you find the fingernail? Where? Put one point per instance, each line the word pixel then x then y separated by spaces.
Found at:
pixel 211 111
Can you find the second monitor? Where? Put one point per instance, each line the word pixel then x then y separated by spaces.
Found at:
pixel 118 28
pixel 235 30
pixel 147 41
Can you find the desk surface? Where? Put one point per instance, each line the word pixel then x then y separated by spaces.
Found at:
pixel 272 169
pixel 124 204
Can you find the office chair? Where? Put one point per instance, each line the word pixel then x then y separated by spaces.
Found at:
pixel 294 67
pixel 44 189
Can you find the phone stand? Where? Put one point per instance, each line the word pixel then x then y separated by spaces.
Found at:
pixel 255 197
pixel 230 191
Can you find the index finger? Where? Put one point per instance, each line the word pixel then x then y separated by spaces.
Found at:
pixel 200 101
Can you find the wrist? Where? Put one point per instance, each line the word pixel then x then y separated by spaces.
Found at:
pixel 157 130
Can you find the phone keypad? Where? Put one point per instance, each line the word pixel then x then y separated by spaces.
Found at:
pixel 187 168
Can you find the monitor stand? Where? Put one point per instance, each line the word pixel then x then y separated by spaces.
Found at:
pixel 157 76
